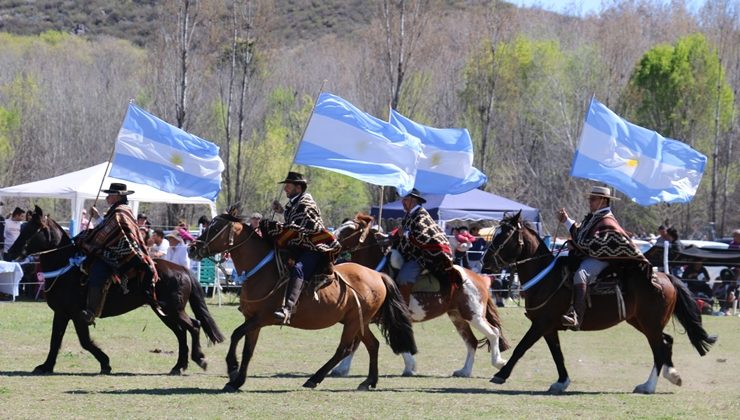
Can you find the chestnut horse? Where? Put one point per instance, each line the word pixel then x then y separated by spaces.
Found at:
pixel 648 304
pixel 355 298
pixel 468 305
pixel 66 296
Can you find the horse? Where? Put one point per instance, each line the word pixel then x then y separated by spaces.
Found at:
pixel 647 304
pixel 356 297
pixel 468 305
pixel 66 291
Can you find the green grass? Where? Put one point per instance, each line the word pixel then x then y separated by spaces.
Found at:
pixel 604 367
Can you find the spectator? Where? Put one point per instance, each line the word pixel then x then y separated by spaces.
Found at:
pixel 159 246
pixel 475 254
pixel 147 236
pixel 141 219
pixel 29 215
pixel 254 222
pixel 13 227
pixel 662 235
pixel 696 278
pixel 84 221
pixel 182 229
pixel 735 244
pixel 178 250
pixel 203 223
pixel 464 243
pixel 726 290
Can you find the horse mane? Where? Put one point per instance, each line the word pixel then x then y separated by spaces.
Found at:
pixel 235 218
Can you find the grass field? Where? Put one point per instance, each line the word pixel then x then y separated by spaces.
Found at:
pixel 604 368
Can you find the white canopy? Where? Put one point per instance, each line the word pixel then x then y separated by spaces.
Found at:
pixel 85 184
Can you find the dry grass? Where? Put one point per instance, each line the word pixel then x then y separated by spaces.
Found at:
pixel 604 367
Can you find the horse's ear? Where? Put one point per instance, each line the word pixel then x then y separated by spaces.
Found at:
pixel 37 211
pixel 234 210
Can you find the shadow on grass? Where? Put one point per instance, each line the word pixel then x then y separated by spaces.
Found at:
pixel 150 391
pixel 29 373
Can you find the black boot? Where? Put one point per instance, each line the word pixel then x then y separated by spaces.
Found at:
pixel 292 294
pixel 574 318
pixel 94 304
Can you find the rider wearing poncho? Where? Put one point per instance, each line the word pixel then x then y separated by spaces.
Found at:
pixel 423 245
pixel 117 246
pixel 311 245
pixel 600 238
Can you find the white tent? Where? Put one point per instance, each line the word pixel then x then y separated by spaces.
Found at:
pixel 85 184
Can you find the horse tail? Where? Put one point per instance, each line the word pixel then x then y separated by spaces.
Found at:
pixel 493 319
pixel 200 309
pixel 689 316
pixel 395 320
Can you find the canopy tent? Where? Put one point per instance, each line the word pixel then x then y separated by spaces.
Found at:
pixel 472 205
pixel 85 184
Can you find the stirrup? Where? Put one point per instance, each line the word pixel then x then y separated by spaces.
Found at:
pixel 283 314
pixel 87 317
pixel 570 319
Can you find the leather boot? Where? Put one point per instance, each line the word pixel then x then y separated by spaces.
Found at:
pixel 574 318
pixel 150 291
pixel 94 304
pixel 292 294
pixel 405 290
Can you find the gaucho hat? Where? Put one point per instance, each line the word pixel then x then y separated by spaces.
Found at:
pixel 294 178
pixel 117 188
pixel 417 195
pixel 604 192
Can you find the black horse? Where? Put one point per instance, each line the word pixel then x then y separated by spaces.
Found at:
pixel 66 296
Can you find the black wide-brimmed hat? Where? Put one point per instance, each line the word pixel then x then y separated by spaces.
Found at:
pixel 294 178
pixel 417 195
pixel 117 188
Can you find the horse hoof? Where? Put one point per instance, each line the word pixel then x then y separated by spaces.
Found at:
pixel 461 374
pixel 365 387
pixel 642 389
pixel 203 363
pixel 42 370
pixel 408 373
pixel 105 370
pixel 558 387
pixel 497 380
pixel 176 372
pixel 230 388
pixel 310 384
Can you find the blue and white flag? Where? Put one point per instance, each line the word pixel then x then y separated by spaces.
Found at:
pixel 641 163
pixel 447 164
pixel 150 151
pixel 341 138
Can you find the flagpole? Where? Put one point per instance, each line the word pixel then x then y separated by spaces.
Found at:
pixel 303 133
pixel 107 168
pixel 380 209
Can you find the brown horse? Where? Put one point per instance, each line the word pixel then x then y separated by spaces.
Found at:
pixel 648 305
pixel 357 297
pixel 468 305
pixel 66 295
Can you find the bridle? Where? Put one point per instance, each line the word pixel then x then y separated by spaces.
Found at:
pixel 498 259
pixel 362 232
pixel 204 246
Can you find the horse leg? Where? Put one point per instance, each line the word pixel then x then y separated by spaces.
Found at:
pixel 553 343
pixel 493 335
pixel 409 364
pixel 58 327
pixel 533 334
pixel 655 338
pixel 342 369
pixel 348 342
pixel 237 380
pixel 669 372
pixel 173 323
pixel 232 363
pixel 193 327
pixel 471 343
pixel 371 344
pixel 83 334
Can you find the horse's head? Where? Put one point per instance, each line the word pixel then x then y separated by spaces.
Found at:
pixel 509 244
pixel 361 240
pixel 220 236
pixel 41 233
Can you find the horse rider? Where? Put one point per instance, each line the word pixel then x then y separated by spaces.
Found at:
pixel 117 246
pixel 310 244
pixel 600 238
pixel 423 245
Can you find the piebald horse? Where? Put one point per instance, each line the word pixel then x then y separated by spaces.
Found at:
pixel 469 305
pixel 648 304
pixel 355 298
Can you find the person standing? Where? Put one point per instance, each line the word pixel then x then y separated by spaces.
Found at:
pixel 13 227
pixel 311 245
pixel 599 238
pixel 177 250
pixel 117 248
pixel 735 244
pixel 159 246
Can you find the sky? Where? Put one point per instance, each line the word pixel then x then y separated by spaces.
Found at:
pixel 580 7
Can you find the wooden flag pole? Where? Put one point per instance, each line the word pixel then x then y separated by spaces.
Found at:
pixel 295 153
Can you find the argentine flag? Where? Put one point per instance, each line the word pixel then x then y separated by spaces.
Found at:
pixel 641 163
pixel 150 151
pixel 341 138
pixel 447 164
